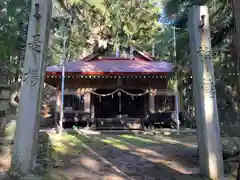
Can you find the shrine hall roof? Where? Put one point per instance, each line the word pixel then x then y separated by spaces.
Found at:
pixel 142 63
pixel 116 66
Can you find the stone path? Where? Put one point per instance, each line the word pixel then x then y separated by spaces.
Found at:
pixel 133 157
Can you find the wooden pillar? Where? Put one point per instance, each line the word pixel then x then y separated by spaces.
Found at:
pixel 211 162
pixel 92 108
pixel 87 102
pixel 151 103
pixel 92 116
pixel 26 138
pixel 146 105
pixel 87 105
pixel 57 108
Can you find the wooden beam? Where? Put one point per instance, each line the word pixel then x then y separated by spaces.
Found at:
pixel 151 103
pixel 87 102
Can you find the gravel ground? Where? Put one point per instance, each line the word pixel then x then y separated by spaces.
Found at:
pixel 122 156
pixel 126 156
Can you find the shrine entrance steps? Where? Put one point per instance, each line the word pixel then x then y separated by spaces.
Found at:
pixel 118 124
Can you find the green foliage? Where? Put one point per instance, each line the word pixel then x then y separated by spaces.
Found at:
pixel 123 22
pixel 12 27
pixel 223 49
pixel 114 21
pixel 10 130
pixel 12 36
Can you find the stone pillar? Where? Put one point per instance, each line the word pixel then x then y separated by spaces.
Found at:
pixel 26 138
pixel 151 103
pixel 211 163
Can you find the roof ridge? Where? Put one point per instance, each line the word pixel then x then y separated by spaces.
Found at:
pixel 144 54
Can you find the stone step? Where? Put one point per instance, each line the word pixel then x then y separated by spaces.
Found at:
pixel 109 123
pixel 118 126
pixel 118 123
pixel 111 128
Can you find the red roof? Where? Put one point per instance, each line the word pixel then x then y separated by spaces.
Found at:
pixel 94 65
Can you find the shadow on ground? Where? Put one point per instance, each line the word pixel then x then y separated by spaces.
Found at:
pixel 124 156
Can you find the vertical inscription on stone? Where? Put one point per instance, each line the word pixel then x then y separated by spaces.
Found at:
pixel 25 146
pixel 37 16
pixel 35 45
pixel 32 76
pixel 207 81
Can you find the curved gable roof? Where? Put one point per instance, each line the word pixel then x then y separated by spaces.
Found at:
pixel 97 65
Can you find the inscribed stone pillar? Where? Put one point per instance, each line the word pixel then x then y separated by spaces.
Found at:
pixel 25 145
pixel 211 163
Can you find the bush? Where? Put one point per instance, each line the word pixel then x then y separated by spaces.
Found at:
pixel 10 130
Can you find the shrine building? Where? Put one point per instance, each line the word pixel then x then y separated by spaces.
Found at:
pixel 106 90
